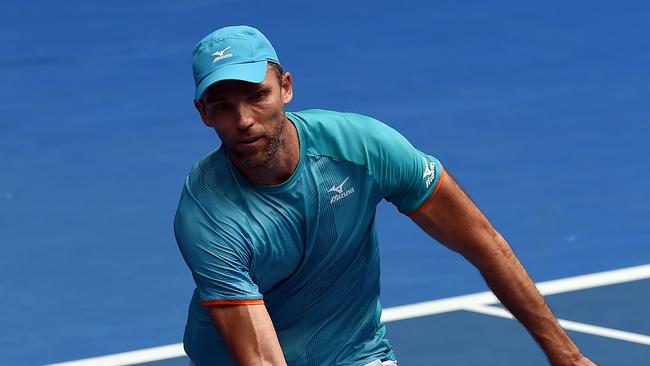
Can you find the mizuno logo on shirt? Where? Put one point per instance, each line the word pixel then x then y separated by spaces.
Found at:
pixel 429 172
pixel 338 190
pixel 219 55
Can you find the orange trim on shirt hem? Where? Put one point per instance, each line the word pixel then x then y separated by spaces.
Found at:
pixel 232 302
pixel 433 194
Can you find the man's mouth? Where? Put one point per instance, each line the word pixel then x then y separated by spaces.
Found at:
pixel 249 140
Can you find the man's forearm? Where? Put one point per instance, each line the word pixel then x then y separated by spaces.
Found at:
pixel 509 281
pixel 248 332
pixel 454 220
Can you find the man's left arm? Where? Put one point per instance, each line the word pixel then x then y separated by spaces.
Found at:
pixel 451 217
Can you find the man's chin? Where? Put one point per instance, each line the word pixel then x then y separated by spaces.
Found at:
pixel 260 154
pixel 257 160
pixel 255 163
pixel 250 154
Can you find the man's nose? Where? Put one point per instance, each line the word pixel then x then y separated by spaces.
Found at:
pixel 243 116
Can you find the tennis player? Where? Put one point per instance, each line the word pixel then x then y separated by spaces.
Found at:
pixel 277 224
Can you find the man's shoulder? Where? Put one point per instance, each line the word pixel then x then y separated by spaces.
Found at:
pixel 209 183
pixel 314 118
pixel 209 171
pixel 208 199
pixel 344 135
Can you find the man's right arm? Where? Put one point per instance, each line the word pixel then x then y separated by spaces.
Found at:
pixel 217 250
pixel 248 333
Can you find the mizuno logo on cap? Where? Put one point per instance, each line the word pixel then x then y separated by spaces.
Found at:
pixel 219 55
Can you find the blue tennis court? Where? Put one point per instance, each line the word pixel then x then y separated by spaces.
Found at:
pixel 540 111
pixel 478 331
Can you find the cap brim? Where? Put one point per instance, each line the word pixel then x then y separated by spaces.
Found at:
pixel 253 72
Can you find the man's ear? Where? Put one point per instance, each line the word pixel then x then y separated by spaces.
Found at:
pixel 201 108
pixel 287 88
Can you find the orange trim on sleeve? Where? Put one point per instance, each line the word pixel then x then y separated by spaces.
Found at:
pixel 232 302
pixel 433 194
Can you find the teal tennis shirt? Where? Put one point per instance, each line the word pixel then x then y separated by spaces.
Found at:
pixel 307 248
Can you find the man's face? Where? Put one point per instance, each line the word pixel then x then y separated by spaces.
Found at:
pixel 249 118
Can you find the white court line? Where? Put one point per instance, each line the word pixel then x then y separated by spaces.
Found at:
pixel 401 312
pixel 131 358
pixel 545 288
pixel 570 325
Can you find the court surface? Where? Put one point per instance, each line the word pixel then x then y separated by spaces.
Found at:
pixel 477 330
pixel 540 111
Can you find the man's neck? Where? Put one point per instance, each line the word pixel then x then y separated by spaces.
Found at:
pixel 283 165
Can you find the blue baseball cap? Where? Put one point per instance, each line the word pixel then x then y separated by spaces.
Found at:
pixel 231 53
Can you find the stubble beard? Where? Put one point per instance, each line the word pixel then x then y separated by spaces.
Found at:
pixel 272 150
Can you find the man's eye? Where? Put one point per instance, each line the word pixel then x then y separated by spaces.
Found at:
pixel 217 106
pixel 258 96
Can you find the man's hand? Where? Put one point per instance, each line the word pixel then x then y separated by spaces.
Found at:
pixel 452 218
pixel 249 334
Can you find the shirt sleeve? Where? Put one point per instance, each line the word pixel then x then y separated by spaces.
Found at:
pixel 407 177
pixel 217 251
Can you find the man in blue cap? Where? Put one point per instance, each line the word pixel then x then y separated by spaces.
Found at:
pixel 277 224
